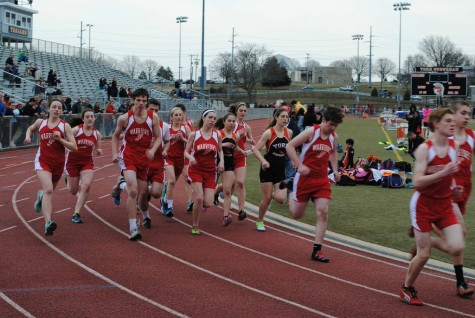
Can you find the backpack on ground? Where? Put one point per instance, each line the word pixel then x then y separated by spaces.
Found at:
pixel 388 164
pixel 393 180
pixel 346 179
pixel 403 166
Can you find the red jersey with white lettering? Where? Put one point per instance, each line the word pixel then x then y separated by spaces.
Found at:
pixel 205 151
pixel 464 157
pixel 85 145
pixel 137 139
pixel 158 161
pixel 177 144
pixel 442 188
pixel 242 131
pixel 316 153
pixel 51 153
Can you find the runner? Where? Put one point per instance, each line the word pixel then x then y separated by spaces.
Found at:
pixel 55 136
pixel 311 180
pixel 229 145
pixel 139 126
pixel 272 171
pixel 240 159
pixel 201 149
pixel 174 158
pixel 431 203
pixel 156 171
pixel 189 123
pixel 80 164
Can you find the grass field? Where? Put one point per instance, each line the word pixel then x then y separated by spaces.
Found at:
pixel 369 213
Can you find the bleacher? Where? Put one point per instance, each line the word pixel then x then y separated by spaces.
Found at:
pixel 79 78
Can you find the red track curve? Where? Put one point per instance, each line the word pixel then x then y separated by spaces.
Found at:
pixel 92 270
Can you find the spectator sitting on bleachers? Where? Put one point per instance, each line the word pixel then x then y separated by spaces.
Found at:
pixel 39 87
pixel 124 107
pixel 9 60
pixel 31 108
pixel 123 92
pixel 43 108
pixel 67 105
pixel 103 84
pixel 87 104
pixel 22 57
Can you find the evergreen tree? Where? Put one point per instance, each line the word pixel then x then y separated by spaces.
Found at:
pixel 274 74
pixel 143 76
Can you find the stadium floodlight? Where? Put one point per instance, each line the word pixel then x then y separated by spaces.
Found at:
pixel 400 6
pixel 89 26
pixel 180 20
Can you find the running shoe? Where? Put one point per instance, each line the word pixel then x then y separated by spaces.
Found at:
pixel 135 235
pixel 77 218
pixel 409 296
pixel 216 199
pixel 318 257
pixel 115 193
pixel 242 215
pixel 167 211
pixel 260 226
pixel 189 206
pixel 39 201
pixel 227 219
pixel 49 228
pixel 147 223
pixel 195 231
pixel 464 291
pixel 287 184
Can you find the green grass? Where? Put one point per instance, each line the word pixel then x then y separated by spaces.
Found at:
pixel 369 213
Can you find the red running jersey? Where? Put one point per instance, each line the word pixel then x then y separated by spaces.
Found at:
pixel 316 153
pixel 177 145
pixel 85 147
pixel 51 152
pixel 137 138
pixel 205 151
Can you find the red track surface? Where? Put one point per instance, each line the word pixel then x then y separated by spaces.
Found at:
pixel 92 270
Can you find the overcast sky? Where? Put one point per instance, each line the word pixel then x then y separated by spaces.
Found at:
pixel 323 29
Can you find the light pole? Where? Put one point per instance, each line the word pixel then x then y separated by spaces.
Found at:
pixel 197 61
pixel 358 37
pixel 400 7
pixel 180 20
pixel 203 68
pixel 89 26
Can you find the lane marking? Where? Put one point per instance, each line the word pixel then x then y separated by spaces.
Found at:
pixel 24 199
pixel 83 266
pixel 204 270
pixel 7 229
pixel 33 290
pixel 16 306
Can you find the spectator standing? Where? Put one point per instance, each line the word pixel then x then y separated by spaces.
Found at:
pixel 67 105
pixel 310 117
pixel 109 117
pixel 78 106
pixel 112 91
pixel 123 92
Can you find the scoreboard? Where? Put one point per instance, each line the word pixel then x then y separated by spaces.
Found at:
pixel 439 84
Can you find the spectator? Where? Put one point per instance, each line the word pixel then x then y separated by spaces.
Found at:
pixel 78 106
pixel 310 117
pixel 97 107
pixel 43 108
pixel 124 106
pixel 300 117
pixel 103 84
pixel 6 101
pixel 31 108
pixel 109 117
pixel 123 92
pixel 67 105
pixel 3 108
pixel 112 91
pixel 9 60
pixel 40 87
pixel 22 57
pixel 87 104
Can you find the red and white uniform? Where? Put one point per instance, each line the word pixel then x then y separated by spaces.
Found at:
pixel 137 139
pixel 204 151
pixel 189 124
pixel 51 153
pixel 82 158
pixel 315 155
pixel 176 151
pixel 433 203
pixel 157 165
pixel 463 177
pixel 239 158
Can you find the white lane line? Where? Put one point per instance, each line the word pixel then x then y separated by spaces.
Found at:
pixel 104 196
pixel 16 306
pixel 312 270
pixel 83 266
pixel 15 165
pixel 60 211
pixel 18 172
pixel 10 186
pixel 204 270
pixel 24 199
pixel 8 228
pixel 99 179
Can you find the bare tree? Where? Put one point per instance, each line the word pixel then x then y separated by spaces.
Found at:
pixel 131 65
pixel 296 63
pixel 150 68
pixel 248 66
pixel 441 52
pixel 413 61
pixel 222 64
pixel 341 64
pixel 359 65
pixel 383 68
pixel 312 64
